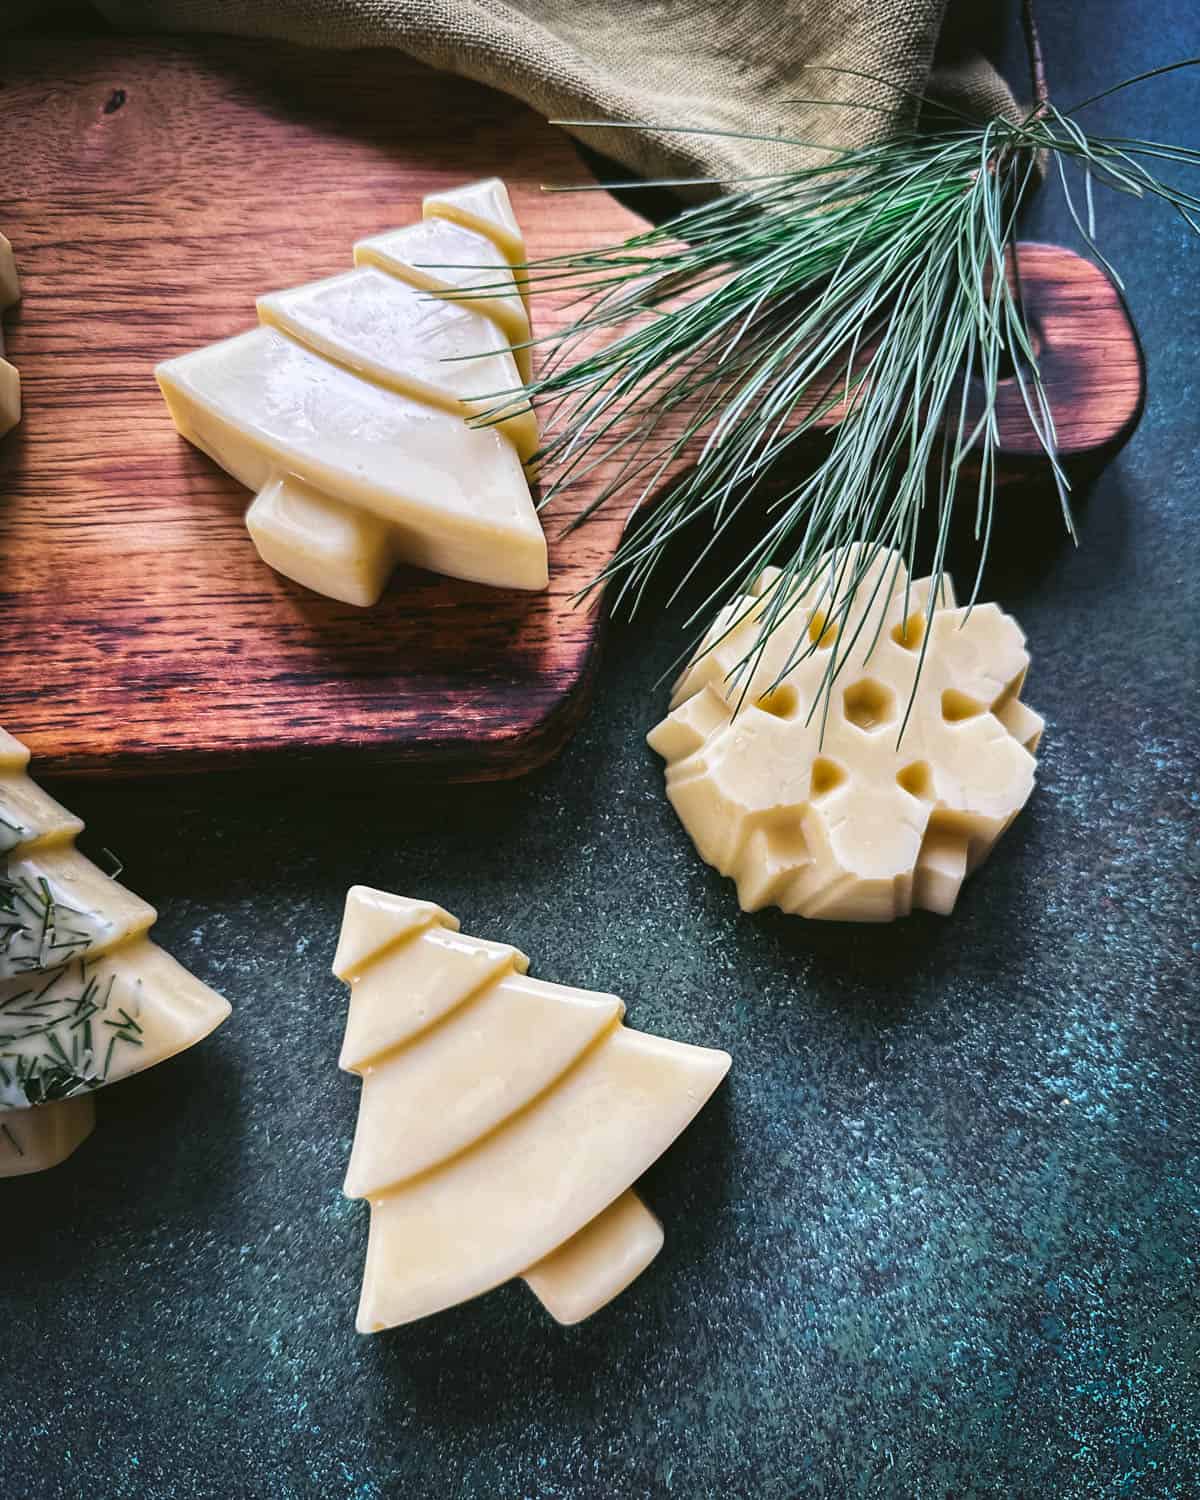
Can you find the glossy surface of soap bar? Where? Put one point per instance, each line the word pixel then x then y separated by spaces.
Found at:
pixel 456 498
pixel 503 1119
pixel 422 1105
pixel 442 353
pixel 836 815
pixel 439 256
pixel 339 550
pixel 486 208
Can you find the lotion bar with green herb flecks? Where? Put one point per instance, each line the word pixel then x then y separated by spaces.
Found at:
pixel 100 1020
pixel 55 905
pixel 86 999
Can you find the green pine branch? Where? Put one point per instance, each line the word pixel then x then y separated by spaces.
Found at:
pixel 878 287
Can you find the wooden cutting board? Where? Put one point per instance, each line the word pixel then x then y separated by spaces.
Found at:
pixel 151 191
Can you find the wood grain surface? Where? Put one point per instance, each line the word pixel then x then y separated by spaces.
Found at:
pixel 151 191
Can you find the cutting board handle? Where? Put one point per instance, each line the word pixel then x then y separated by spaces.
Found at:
pixel 1088 354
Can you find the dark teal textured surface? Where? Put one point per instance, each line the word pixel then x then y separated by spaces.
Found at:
pixel 937 1237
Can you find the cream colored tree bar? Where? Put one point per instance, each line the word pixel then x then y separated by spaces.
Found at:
pixel 349 411
pixel 441 258
pixel 483 208
pixel 10 380
pixel 85 998
pixel 839 816
pixel 441 353
pixel 503 1119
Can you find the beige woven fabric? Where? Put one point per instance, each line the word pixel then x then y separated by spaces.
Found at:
pixel 712 65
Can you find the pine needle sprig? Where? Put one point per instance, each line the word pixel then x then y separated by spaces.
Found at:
pixel 879 290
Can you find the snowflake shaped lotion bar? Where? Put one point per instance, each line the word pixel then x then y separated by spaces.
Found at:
pixel 347 410
pixel 838 816
pixel 503 1119
pixel 85 998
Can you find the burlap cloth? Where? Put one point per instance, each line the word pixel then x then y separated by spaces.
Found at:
pixel 716 65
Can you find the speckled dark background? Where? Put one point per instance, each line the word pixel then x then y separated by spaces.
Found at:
pixel 938 1235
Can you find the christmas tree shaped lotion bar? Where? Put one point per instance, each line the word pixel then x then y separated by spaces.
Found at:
pixel 347 410
pixel 503 1122
pixel 85 998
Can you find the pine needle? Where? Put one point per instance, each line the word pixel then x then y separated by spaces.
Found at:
pixel 879 287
